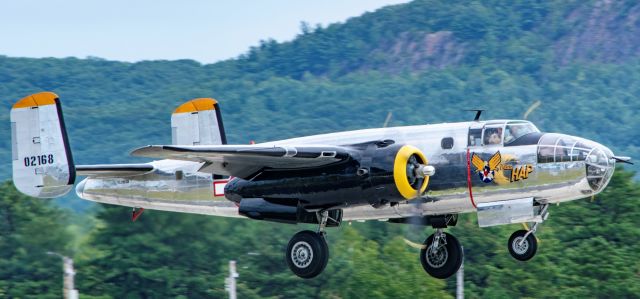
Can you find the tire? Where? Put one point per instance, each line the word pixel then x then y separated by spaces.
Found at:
pixel 307 254
pixel 447 259
pixel 528 248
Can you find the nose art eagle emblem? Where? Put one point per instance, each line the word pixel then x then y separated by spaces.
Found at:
pixel 486 169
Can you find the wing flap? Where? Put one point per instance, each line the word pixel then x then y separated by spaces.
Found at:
pixel 245 160
pixel 111 170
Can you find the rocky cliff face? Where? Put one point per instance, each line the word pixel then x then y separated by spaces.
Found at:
pixel 606 31
pixel 436 34
pixel 421 50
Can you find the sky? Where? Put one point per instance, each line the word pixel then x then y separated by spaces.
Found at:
pixel 134 30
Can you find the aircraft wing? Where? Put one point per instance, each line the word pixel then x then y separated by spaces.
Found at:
pixel 109 170
pixel 244 161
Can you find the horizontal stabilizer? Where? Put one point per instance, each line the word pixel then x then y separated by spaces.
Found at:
pixel 245 160
pixel 110 170
pixel 41 156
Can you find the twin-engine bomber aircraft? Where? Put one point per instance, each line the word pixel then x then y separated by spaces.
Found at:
pixel 506 171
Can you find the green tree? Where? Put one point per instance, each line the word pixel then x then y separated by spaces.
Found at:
pixel 29 228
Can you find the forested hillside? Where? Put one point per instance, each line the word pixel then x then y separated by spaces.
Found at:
pixel 425 61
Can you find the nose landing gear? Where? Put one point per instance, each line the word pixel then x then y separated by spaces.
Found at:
pixel 523 243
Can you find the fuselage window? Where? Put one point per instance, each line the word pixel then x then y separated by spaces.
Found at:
pixel 563 149
pixel 580 152
pixel 447 143
pixel 475 137
pixel 545 154
pixel 547 148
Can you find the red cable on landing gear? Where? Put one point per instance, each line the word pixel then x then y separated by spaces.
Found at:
pixel 136 213
pixel 469 179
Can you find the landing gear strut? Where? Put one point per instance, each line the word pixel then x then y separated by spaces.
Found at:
pixel 441 255
pixel 307 252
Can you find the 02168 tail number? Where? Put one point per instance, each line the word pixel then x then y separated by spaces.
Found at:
pixel 38 160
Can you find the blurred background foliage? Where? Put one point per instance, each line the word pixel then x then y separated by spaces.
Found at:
pixel 425 61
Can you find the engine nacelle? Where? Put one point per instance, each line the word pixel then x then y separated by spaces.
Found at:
pixel 378 173
pixel 395 173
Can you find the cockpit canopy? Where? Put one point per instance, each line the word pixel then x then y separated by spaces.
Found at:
pixel 505 133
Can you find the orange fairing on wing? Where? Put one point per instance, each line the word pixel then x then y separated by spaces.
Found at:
pixel 200 104
pixel 37 99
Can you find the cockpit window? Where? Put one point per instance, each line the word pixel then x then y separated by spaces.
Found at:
pixel 516 130
pixel 492 135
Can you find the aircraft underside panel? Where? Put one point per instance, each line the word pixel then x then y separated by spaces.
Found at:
pixel 213 208
pixel 172 186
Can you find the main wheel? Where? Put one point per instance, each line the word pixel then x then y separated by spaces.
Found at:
pixel 524 251
pixel 307 254
pixel 443 260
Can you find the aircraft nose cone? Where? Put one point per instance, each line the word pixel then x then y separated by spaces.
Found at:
pixel 598 159
pixel 600 166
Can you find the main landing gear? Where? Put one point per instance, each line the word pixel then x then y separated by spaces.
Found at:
pixel 441 255
pixel 307 253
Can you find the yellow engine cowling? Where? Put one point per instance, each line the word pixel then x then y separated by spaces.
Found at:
pixel 407 187
pixel 393 174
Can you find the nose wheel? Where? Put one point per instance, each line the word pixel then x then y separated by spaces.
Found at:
pixel 522 245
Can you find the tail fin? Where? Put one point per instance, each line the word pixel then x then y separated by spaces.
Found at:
pixel 42 161
pixel 198 122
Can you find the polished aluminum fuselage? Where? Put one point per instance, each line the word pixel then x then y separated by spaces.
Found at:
pixel 455 188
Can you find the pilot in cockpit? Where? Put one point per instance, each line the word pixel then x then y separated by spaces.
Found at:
pixel 512 133
pixel 516 131
pixel 493 136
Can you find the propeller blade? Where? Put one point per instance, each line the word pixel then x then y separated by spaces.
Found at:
pixel 414 244
pixel 416 219
pixel 388 119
